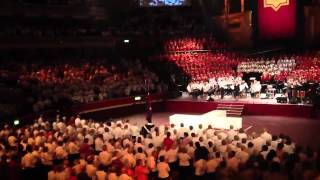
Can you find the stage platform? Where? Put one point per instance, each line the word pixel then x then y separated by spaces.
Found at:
pixel 252 106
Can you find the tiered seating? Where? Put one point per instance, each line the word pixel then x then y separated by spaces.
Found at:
pixel 191 55
pixel 308 67
pixel 202 66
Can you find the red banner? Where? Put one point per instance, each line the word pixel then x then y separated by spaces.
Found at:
pixel 277 19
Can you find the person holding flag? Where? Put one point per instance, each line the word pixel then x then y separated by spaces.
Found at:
pixel 145 130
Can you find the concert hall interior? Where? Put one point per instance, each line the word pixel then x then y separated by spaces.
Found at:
pixel 159 89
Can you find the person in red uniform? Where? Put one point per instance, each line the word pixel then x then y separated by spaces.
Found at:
pixel 141 171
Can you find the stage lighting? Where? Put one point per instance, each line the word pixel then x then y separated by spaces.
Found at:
pixel 137 98
pixel 126 41
pixel 16 122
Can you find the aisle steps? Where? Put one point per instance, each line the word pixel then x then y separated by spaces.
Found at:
pixel 233 110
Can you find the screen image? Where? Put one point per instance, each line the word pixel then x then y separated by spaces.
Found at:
pixel 155 3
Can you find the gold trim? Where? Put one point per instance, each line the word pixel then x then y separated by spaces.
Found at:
pixel 275 4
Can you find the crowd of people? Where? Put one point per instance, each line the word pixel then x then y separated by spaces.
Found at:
pixel 90 81
pixel 271 67
pixel 307 67
pixel 76 148
pixel 66 82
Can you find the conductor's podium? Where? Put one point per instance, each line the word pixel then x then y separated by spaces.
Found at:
pixel 217 119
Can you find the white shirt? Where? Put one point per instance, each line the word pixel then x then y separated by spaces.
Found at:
pixel 258 142
pixel 266 136
pixel 90 138
pixel 242 136
pixel 242 156
pixel 107 136
pixel 274 144
pixel 210 133
pixel 134 131
pixel 147 141
pixel 77 121
pixel 231 133
pixel 100 130
pixel 157 141
pixel 98 144
pixel 118 133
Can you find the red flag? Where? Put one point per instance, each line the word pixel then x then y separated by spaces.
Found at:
pixel 277 19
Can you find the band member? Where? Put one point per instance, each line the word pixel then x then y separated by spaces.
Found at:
pixel 190 87
pixel 289 86
pixel 147 127
pixel 222 86
pixel 194 88
pixel 229 86
pixel 214 86
pixel 206 87
pixel 255 88
pixel 211 89
pixel 243 88
pixel 237 89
